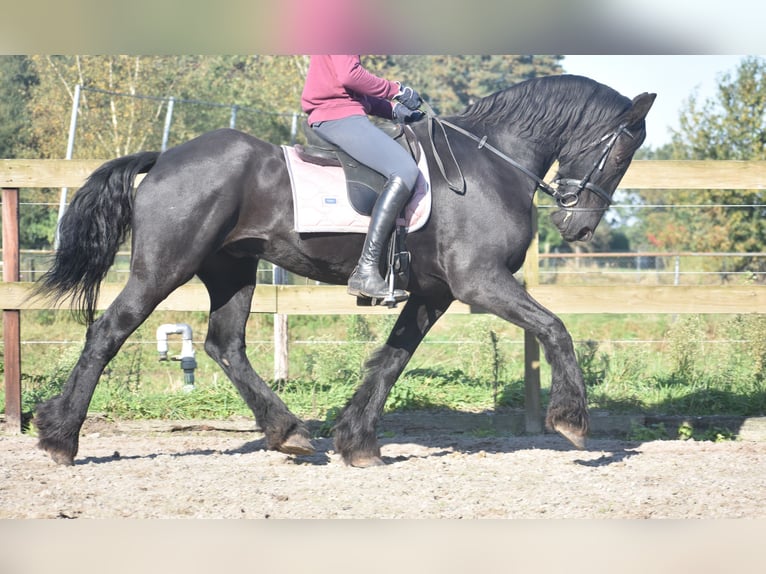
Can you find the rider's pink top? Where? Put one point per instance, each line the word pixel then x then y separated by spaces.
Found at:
pixel 337 86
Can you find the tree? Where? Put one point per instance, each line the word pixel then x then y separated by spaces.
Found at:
pixel 121 106
pixel 263 91
pixel 124 101
pixel 731 126
pixel 17 78
pixel 449 83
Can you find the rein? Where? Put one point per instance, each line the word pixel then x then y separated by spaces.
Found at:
pixel 565 200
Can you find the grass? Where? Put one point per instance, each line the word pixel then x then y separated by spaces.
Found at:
pixel 690 365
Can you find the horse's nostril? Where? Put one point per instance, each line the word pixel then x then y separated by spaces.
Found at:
pixel 585 234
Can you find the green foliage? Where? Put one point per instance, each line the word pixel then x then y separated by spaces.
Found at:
pixel 37 224
pixel 727 127
pixel 120 382
pixel 486 358
pixel 684 373
pixel 265 90
pixel 717 434
pixel 112 123
pixel 331 416
pixel 40 387
pixel 338 363
pixel 685 345
pixel 690 375
pixel 441 388
pixel 17 79
pixel 450 83
pixel 686 431
pixel 404 397
pixel 594 366
pixel 643 433
pixel 752 329
pixel 730 126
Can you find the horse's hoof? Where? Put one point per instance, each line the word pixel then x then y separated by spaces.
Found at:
pixel 572 434
pixel 367 461
pixel 58 456
pixel 297 444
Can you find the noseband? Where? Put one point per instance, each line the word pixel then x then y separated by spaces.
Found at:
pixel 566 200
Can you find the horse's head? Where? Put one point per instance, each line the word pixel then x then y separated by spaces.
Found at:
pixel 587 179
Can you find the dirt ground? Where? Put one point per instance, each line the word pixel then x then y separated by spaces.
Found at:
pixel 219 469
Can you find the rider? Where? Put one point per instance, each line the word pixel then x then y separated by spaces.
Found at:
pixel 337 96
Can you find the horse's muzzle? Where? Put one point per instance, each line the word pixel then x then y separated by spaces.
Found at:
pixel 567 224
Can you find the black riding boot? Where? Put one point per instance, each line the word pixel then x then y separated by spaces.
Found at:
pixel 366 281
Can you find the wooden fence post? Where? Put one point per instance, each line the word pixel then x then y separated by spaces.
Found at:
pixel 532 401
pixel 11 317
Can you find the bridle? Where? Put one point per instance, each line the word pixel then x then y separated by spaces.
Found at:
pixel 567 200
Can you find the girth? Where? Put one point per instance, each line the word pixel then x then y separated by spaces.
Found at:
pixel 363 184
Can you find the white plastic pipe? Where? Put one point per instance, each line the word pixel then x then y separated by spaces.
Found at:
pixel 187 350
pixel 188 364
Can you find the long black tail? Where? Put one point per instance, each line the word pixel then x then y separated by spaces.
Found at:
pixel 91 231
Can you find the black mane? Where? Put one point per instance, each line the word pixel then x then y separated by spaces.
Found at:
pixel 546 107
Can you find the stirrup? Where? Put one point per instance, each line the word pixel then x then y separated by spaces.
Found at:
pixel 390 299
pixel 393 297
pixel 398 261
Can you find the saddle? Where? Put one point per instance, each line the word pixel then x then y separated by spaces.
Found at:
pixel 363 184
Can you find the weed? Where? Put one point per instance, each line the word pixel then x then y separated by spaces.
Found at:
pixel 39 388
pixel 686 350
pixel 512 395
pixel 594 365
pixel 403 397
pixel 486 358
pixel 685 431
pixel 717 434
pixel 643 433
pixel 331 417
pixel 120 382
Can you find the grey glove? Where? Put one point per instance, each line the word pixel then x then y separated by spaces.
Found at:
pixel 409 97
pixel 402 115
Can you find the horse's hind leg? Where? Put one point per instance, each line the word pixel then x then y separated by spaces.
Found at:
pixel 231 283
pixel 59 419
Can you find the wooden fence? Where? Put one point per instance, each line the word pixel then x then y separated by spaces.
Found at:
pixel 313 300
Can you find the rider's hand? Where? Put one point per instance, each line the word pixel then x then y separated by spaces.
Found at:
pixel 404 116
pixel 409 97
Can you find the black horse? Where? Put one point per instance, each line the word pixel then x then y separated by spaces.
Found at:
pixel 214 206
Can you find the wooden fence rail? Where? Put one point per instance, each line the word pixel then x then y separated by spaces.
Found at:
pixel 312 300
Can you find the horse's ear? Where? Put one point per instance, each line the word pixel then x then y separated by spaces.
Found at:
pixel 638 109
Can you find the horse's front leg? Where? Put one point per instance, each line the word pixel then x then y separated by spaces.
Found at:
pixel 502 295
pixel 355 430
